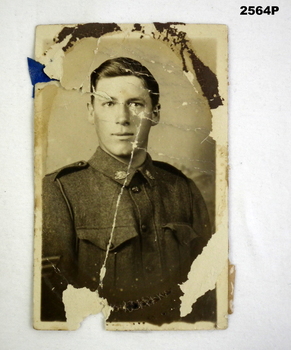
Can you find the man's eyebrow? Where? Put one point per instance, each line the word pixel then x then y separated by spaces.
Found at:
pixel 132 99
pixel 104 95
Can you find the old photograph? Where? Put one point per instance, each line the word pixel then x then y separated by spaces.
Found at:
pixel 131 176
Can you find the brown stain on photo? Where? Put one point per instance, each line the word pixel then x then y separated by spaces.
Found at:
pixel 176 40
pixel 206 78
pixel 94 30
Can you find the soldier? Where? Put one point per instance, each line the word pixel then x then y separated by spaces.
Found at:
pixel 122 224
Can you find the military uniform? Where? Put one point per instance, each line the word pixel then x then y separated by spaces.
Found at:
pixel 152 219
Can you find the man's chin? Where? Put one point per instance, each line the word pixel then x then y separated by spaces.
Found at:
pixel 125 155
pixel 124 152
pixel 119 153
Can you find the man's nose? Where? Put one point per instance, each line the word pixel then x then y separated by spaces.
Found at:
pixel 123 114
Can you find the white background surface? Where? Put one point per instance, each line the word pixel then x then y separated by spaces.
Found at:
pixel 260 166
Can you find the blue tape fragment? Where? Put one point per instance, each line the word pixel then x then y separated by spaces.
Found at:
pixel 37 75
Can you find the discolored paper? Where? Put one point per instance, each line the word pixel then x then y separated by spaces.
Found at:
pixel 145 244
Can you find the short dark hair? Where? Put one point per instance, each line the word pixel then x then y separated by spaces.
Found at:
pixel 124 66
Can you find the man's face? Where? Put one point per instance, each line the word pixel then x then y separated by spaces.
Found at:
pixel 123 115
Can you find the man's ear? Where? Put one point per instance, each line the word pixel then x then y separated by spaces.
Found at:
pixel 156 115
pixel 90 112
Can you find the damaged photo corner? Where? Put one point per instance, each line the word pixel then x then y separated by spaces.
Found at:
pixel 131 176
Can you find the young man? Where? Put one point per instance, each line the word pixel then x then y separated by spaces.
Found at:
pixel 122 224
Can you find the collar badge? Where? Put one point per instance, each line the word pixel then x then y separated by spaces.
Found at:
pixel 148 174
pixel 120 175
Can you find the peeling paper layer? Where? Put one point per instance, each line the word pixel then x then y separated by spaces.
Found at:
pixel 190 63
pixel 200 281
pixel 80 303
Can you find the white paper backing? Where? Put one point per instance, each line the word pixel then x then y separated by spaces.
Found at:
pixel 260 166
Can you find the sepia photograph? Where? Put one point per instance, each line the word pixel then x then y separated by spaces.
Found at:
pixel 131 168
pixel 144 170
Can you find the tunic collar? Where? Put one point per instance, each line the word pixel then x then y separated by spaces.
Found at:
pixel 118 171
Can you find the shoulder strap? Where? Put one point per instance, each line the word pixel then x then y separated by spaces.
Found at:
pixel 68 169
pixel 170 168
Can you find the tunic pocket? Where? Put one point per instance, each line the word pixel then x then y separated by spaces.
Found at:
pixel 100 237
pixel 183 232
pixel 93 243
pixel 179 246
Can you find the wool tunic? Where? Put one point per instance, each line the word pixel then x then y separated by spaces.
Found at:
pixel 145 226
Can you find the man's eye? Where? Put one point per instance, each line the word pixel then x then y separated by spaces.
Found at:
pixel 136 104
pixel 108 104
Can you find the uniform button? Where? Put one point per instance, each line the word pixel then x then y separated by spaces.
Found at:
pixel 135 189
pixel 144 228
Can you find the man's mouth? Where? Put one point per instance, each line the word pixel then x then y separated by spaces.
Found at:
pixel 123 134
